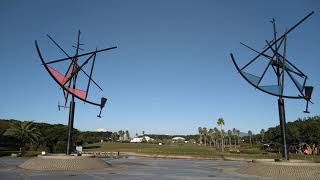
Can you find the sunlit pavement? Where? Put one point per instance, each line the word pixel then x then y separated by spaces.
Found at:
pixel 133 168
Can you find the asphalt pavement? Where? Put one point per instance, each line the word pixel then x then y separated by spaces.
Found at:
pixel 133 168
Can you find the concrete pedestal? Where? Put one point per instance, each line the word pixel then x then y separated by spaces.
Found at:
pixel 64 163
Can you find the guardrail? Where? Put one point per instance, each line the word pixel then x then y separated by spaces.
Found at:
pixel 101 154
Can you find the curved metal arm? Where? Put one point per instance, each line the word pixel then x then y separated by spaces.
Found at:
pixel 61 85
pixel 239 70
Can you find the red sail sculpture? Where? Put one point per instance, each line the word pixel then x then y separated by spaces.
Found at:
pixel 68 81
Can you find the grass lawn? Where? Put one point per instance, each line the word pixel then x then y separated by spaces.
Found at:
pixel 174 149
pixel 193 150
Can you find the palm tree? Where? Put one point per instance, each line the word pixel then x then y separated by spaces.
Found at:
pixel 24 131
pixel 205 135
pixel 229 136
pixel 234 132
pixel 220 123
pixel 238 135
pixel 128 135
pixel 262 134
pixel 250 136
pixel 217 132
pixel 114 136
pixel 223 137
pixel 200 134
pixel 121 134
pixel 213 136
pixel 210 135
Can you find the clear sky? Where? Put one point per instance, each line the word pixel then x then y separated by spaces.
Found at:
pixel 171 72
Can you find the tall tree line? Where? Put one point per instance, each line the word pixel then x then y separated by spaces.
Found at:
pixel 219 138
pixel 306 130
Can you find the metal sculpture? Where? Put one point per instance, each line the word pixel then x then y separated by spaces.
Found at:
pixel 68 80
pixel 280 66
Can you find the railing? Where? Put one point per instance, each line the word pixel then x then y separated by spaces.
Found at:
pixel 101 154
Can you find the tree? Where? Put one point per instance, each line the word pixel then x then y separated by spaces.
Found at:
pixel 238 135
pixel 128 135
pixel 217 132
pixel 114 136
pixel 24 132
pixel 200 134
pixel 229 136
pixel 223 134
pixel 121 135
pixel 250 136
pixel 205 135
pixel 213 137
pixel 210 136
pixel 234 132
pixel 220 123
pixel 262 134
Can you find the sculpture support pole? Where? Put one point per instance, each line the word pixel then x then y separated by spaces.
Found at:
pixel 70 126
pixel 283 127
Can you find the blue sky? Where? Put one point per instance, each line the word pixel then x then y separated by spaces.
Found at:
pixel 171 72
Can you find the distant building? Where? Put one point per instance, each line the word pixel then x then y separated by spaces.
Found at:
pixel 178 139
pixel 101 130
pixel 140 139
pixel 148 139
pixel 136 140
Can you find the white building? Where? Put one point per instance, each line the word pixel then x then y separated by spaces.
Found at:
pixel 136 140
pixel 178 139
pixel 140 139
pixel 101 130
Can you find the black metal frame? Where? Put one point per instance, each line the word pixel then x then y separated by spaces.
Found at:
pixel 280 77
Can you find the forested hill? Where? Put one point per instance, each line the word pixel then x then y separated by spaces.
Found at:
pixel 53 136
pixel 305 130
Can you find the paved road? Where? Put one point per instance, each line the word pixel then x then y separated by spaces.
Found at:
pixel 133 168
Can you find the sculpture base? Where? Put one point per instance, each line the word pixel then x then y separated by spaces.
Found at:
pixel 64 163
pixel 278 169
pixel 286 163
